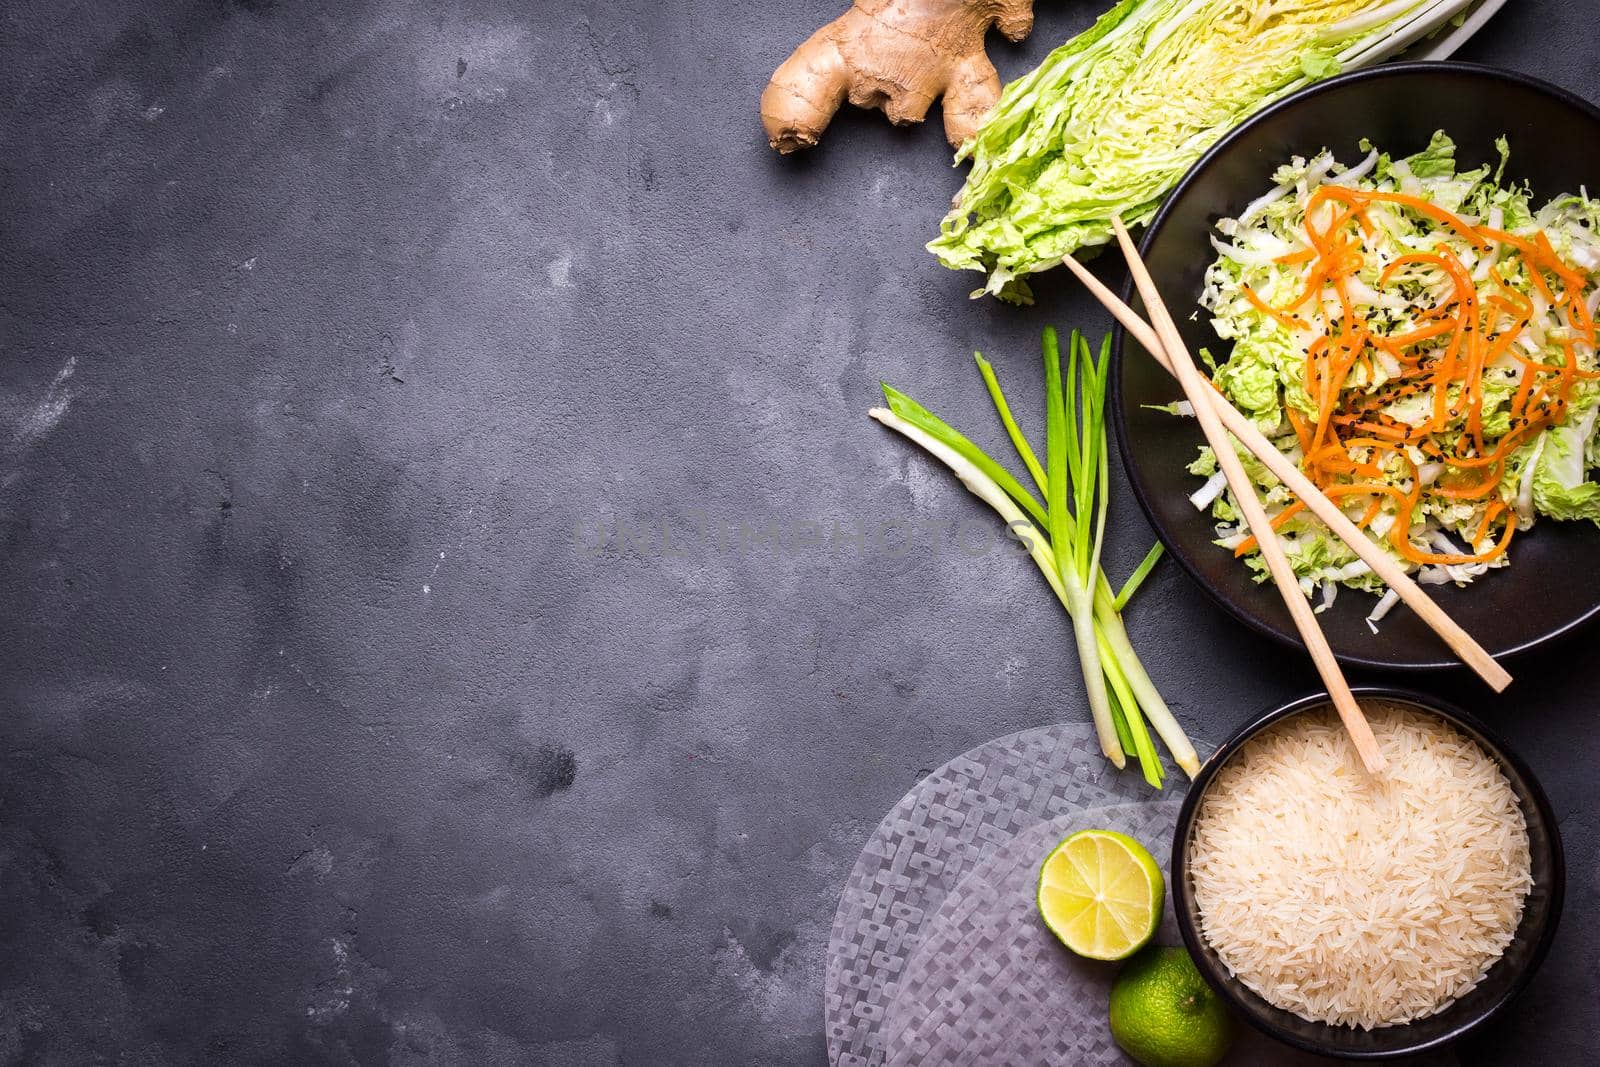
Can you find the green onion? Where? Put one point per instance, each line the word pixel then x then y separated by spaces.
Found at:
pixel 1018 441
pixel 1075 482
pixel 921 417
pixel 1067 453
pixel 1140 573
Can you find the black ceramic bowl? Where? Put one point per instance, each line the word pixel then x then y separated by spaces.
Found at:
pixel 1506 978
pixel 1553 583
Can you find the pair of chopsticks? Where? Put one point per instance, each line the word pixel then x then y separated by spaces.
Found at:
pixel 1218 418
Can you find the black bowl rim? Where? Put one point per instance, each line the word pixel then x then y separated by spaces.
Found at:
pixel 1498 749
pixel 1120 345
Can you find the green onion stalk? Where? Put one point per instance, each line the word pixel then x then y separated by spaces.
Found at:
pixel 1065 537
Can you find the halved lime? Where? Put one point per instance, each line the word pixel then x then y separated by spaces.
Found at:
pixel 1100 892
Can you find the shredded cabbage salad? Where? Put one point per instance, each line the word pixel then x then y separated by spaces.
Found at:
pixel 1421 340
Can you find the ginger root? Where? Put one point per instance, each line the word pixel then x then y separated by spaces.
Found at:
pixel 898 55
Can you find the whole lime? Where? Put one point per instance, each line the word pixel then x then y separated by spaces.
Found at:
pixel 1164 1015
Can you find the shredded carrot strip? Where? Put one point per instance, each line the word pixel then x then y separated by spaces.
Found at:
pixel 1284 317
pixel 1402 542
pixel 1425 333
pixel 1249 544
pixel 1415 203
pixel 1489 513
pixel 1379 430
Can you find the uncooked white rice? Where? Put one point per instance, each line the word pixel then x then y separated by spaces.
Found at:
pixel 1360 900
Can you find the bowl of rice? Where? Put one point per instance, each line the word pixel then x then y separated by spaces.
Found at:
pixel 1362 916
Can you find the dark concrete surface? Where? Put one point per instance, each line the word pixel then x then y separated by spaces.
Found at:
pixel 337 723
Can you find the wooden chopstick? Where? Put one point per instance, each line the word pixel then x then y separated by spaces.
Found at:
pixel 1305 620
pixel 1383 565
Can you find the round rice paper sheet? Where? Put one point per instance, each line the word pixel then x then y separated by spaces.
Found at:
pixel 938 955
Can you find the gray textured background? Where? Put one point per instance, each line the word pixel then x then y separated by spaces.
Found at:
pixel 337 726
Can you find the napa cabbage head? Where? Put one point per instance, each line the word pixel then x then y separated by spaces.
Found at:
pixel 1106 125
